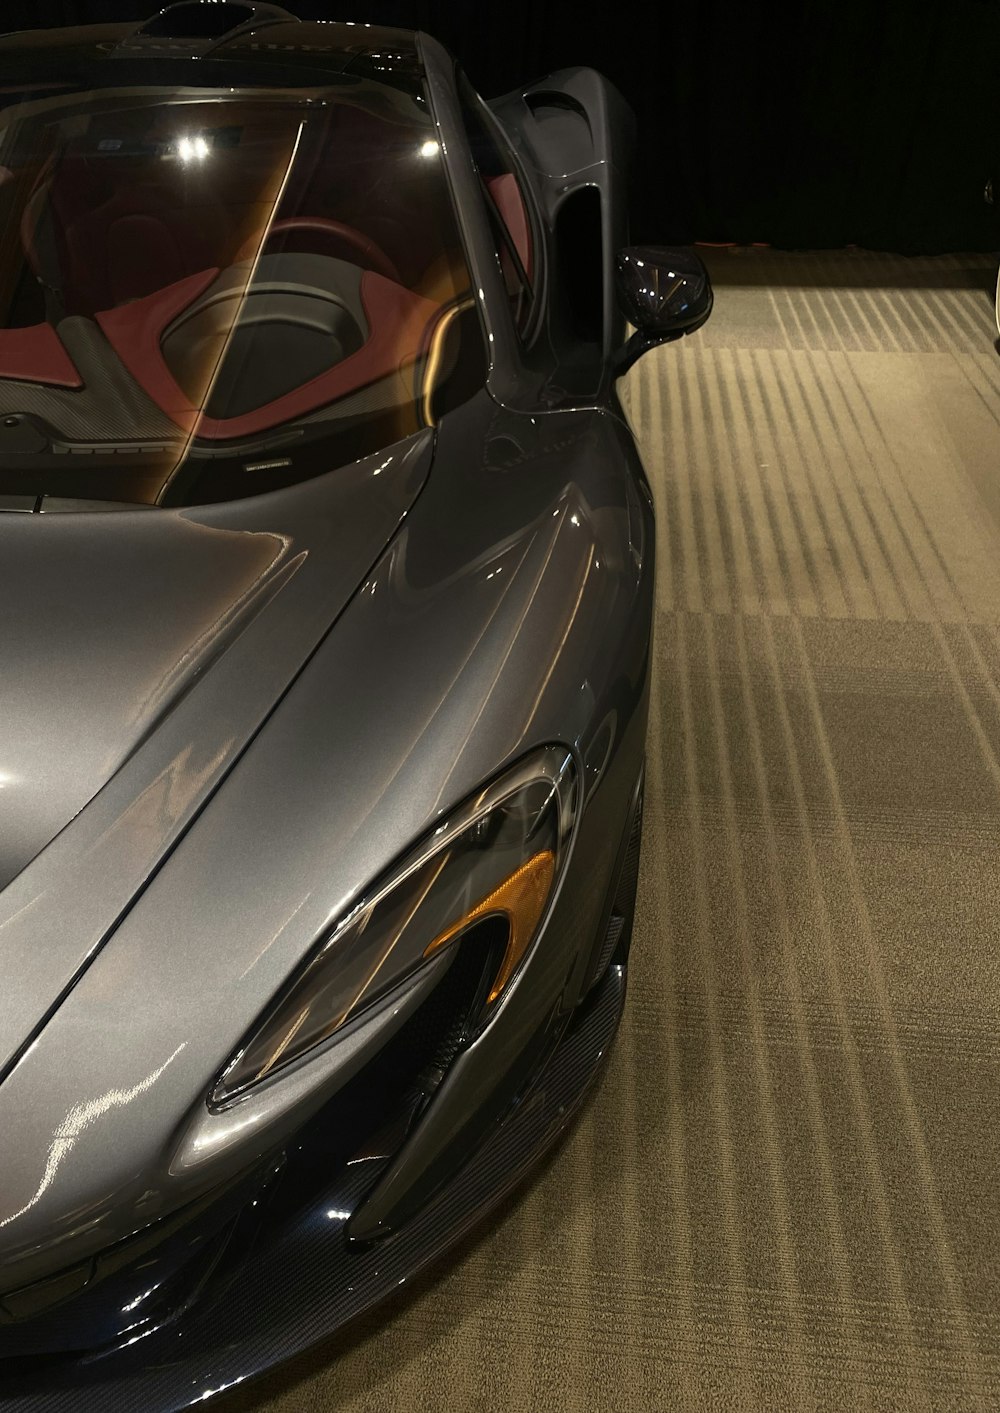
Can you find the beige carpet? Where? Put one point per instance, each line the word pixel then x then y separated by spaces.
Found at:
pixel 786 1192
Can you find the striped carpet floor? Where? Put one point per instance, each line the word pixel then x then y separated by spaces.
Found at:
pixel 785 1193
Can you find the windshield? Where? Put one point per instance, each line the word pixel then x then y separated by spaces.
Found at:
pixel 207 293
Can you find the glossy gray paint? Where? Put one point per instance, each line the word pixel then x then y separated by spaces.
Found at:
pixel 73 665
pixel 573 131
pixel 377 651
pixel 557 158
pixel 493 611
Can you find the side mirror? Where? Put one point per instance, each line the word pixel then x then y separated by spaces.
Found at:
pixel 665 293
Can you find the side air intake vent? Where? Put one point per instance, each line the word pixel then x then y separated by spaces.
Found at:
pixel 209 19
pixel 540 98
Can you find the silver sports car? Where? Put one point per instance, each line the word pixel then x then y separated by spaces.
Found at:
pixel 326 586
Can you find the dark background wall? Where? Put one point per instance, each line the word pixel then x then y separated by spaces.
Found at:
pixel 870 122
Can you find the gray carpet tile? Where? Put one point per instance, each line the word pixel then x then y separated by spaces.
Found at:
pixel 785 1193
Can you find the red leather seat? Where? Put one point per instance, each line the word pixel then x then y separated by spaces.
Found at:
pixel 98 240
pixel 400 323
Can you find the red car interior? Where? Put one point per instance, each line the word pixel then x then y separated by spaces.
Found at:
pixel 329 236
pixel 101 244
pixel 399 324
pixel 120 229
pixel 37 355
pixel 509 202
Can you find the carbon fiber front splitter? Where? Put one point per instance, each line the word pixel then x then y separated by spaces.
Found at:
pixel 300 1286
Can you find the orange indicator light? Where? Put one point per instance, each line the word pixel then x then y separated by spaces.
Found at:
pixel 521 898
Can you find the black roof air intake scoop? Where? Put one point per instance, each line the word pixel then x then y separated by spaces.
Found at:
pixel 205 19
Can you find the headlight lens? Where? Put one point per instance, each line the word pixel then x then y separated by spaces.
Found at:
pixel 498 856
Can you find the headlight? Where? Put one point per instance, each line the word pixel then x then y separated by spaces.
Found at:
pixel 497 857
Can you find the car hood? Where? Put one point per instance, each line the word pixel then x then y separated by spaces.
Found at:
pixel 523 549
pixel 142 651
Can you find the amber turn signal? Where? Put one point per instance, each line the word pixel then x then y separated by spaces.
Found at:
pixel 521 898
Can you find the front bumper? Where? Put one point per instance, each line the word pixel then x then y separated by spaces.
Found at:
pixel 299 1279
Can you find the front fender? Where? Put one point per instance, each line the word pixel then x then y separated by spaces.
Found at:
pixel 512 610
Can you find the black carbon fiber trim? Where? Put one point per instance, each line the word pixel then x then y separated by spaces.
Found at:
pixel 291 1293
pixel 611 939
pixel 618 933
pixel 628 881
pixel 110 407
